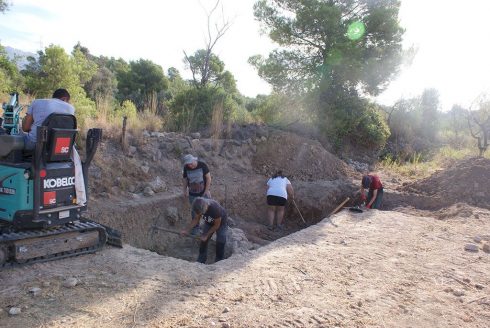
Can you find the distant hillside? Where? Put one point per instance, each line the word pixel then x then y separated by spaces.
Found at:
pixel 20 56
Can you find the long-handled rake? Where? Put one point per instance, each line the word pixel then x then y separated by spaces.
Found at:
pixel 296 206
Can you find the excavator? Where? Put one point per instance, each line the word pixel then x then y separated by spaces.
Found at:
pixel 40 216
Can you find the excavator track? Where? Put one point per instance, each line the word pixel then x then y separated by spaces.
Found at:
pixel 34 246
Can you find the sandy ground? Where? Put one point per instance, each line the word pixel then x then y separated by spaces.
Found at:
pixel 376 269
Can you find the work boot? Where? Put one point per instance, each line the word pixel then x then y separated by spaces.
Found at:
pixel 220 251
pixel 203 252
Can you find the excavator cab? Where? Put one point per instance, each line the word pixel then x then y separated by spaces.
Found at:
pixel 38 186
pixel 40 216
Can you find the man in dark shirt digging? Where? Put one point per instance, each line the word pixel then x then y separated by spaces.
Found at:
pixel 215 220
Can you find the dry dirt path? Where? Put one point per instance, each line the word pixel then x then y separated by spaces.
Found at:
pixel 376 269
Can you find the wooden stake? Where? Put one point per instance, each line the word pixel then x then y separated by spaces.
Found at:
pixel 123 136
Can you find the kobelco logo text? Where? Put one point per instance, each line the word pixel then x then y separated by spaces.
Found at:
pixel 59 182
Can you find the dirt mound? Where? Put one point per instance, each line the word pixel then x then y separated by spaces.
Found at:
pixel 459 211
pixel 299 158
pixel 465 181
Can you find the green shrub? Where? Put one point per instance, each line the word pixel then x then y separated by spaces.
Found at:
pixel 127 109
pixel 193 109
pixel 372 130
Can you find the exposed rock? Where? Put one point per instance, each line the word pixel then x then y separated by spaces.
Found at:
pixel 486 248
pixel 95 172
pixel 14 311
pixel 172 215
pixel 35 291
pixel 132 150
pixel 237 241
pixel 70 282
pixel 471 248
pixel 458 293
pixel 157 184
pixel 136 196
pixel 157 134
pixel 195 135
pixel 148 192
pixel 145 169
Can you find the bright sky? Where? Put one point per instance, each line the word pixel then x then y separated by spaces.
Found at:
pixel 451 37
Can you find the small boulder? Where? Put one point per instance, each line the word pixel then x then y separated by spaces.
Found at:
pixel 458 293
pixel 70 282
pixel 471 248
pixel 14 311
pixel 148 192
pixel 157 184
pixel 486 248
pixel 132 150
pixel 35 291
pixel 196 135
pixel 145 169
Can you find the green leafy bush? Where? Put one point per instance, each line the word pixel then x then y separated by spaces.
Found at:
pixel 192 109
pixel 128 109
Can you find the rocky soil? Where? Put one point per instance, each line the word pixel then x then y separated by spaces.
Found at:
pixel 423 263
pixel 355 270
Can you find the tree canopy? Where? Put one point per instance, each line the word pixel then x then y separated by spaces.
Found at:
pixel 4 6
pixel 333 53
pixel 142 82
pixel 349 43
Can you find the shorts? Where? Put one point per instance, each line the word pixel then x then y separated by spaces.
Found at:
pixel 276 200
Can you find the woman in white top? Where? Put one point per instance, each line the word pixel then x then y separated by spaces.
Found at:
pixel 278 189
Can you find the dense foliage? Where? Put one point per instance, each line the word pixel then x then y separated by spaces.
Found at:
pixel 332 57
pixel 333 53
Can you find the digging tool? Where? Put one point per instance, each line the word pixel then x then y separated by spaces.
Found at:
pixel 294 203
pixel 339 207
pixel 355 209
pixel 174 232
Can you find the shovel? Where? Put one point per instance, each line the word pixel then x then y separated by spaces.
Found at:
pixel 356 209
pixel 175 232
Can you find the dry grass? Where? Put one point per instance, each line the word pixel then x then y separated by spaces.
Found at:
pixel 112 126
pixel 217 121
pixel 421 169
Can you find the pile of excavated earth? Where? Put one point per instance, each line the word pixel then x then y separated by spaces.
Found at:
pixel 422 262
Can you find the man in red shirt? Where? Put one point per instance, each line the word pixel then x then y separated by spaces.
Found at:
pixel 375 191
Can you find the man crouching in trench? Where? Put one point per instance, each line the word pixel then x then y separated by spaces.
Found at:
pixel 215 220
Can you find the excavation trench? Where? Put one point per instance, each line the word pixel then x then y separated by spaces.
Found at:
pixel 154 224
